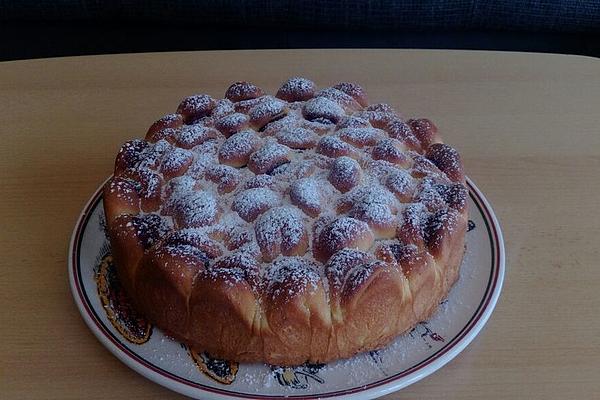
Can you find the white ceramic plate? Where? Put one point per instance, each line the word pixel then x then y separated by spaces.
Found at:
pixel 410 358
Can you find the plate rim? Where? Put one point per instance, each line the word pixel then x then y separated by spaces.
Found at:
pixel 379 388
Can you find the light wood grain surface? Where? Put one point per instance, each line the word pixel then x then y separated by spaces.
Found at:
pixel 527 126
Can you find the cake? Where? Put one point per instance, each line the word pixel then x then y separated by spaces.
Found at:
pixel 307 226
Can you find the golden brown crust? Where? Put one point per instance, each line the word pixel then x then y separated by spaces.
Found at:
pixel 296 89
pixel 193 108
pixel 355 91
pixel 306 227
pixel 242 91
pixel 447 160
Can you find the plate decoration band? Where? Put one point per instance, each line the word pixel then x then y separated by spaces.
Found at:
pixel 133 327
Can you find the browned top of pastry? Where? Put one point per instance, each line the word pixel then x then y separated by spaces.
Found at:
pixel 289 190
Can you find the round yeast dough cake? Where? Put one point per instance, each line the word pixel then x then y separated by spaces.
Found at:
pixel 305 226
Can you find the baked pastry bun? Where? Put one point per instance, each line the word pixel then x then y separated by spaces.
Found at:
pixel 306 226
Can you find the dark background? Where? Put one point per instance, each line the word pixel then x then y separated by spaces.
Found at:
pixel 33 29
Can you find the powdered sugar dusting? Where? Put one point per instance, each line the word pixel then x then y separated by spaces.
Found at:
pixel 251 202
pixel 149 228
pixel 322 108
pixel 297 89
pixel 180 186
pixel 440 221
pixel 268 157
pixel 345 173
pixel 149 183
pixel 291 276
pixel 232 122
pixel 333 146
pixel 341 263
pixel 362 162
pixel 297 138
pixel 241 91
pixel 279 227
pixel 306 194
pixel 192 135
pixel 358 276
pixel 239 146
pixel 226 177
pixel 360 136
pixel 262 180
pixel 343 232
pixel 176 159
pixel 337 96
pixel 399 182
pixel 153 154
pixel 376 214
pixel 416 216
pixel 290 121
pixel 269 107
pixel 198 208
pixel 427 192
pixel 307 185
pixel 222 107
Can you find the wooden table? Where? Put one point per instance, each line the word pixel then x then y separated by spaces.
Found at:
pixel 527 126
